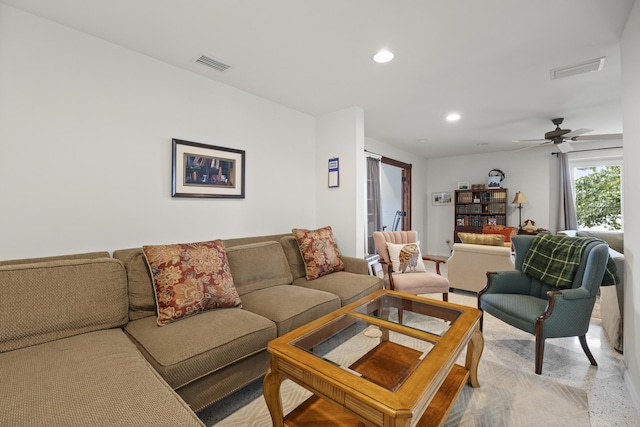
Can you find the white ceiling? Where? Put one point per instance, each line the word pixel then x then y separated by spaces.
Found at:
pixel 488 60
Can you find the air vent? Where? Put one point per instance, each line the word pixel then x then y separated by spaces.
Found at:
pixel 213 63
pixel 583 67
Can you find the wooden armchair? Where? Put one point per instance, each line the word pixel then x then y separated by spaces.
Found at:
pixel 411 282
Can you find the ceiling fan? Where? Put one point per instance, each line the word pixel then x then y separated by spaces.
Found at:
pixel 563 137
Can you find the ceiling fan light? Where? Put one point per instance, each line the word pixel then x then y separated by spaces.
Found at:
pixel 581 68
pixel 565 147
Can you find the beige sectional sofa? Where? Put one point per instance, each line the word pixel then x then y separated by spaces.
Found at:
pixel 611 297
pixel 468 264
pixel 79 343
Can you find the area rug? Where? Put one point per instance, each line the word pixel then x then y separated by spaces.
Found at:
pixel 506 397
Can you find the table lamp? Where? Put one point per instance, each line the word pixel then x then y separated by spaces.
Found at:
pixel 519 199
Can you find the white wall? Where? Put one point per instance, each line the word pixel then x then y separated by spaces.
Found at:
pixel 341 134
pixel 631 111
pixel 418 183
pixel 86 129
pixel 534 172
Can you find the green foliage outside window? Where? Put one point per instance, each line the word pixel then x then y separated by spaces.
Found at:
pixel 598 198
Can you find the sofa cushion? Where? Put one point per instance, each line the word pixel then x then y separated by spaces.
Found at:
pixel 319 251
pixel 615 239
pixel 92 294
pixel 507 232
pixel 307 305
pixel 405 257
pixel 294 258
pixel 93 379
pixel 190 278
pixel 347 286
pixel 257 266
pixel 482 239
pixel 196 346
pixel 142 299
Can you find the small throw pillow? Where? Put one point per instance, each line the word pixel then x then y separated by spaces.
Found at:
pixel 190 278
pixel 319 251
pixel 482 239
pixel 405 257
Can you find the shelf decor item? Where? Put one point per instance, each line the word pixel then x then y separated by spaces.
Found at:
pixel 201 170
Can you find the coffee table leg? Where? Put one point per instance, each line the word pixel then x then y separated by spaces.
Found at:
pixel 474 351
pixel 271 391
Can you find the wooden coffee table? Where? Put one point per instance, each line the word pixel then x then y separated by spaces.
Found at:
pixel 385 360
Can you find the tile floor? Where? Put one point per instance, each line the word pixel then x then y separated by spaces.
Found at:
pixel 609 400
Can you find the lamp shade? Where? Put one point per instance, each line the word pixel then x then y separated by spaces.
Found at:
pixel 519 198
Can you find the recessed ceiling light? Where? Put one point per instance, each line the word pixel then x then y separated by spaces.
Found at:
pixel 383 56
pixel 453 117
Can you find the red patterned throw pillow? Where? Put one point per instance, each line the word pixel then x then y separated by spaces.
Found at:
pixel 190 278
pixel 319 251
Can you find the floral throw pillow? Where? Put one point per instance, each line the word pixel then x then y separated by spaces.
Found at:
pixel 319 251
pixel 190 278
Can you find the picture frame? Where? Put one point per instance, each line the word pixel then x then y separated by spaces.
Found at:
pixel 463 185
pixel 201 170
pixel 442 198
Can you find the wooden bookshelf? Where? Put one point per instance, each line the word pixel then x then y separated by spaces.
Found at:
pixel 476 208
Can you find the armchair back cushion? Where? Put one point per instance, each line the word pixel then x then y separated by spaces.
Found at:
pixel 398 237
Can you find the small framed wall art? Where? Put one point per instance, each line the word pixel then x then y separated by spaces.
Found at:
pixel 201 170
pixel 463 185
pixel 442 198
pixel 334 172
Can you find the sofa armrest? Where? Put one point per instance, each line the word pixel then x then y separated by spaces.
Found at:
pixel 355 265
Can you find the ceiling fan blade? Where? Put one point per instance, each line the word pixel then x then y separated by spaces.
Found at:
pixel 530 140
pixel 577 132
pixel 531 146
pixel 597 137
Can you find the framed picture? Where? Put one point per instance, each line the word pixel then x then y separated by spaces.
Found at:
pixel 201 170
pixel 442 198
pixel 464 185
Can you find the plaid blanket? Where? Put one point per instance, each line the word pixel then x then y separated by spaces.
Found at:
pixel 554 260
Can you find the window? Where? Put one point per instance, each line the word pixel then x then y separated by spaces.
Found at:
pixel 597 190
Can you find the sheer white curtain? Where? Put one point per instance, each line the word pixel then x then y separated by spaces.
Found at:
pixel 374 207
pixel 567 216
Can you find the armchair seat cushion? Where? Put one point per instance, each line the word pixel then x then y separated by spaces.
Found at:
pixel 520 311
pixel 415 283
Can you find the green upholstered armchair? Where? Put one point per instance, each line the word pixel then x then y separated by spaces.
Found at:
pixel 543 310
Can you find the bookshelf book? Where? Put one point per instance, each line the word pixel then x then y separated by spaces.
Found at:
pixel 476 208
